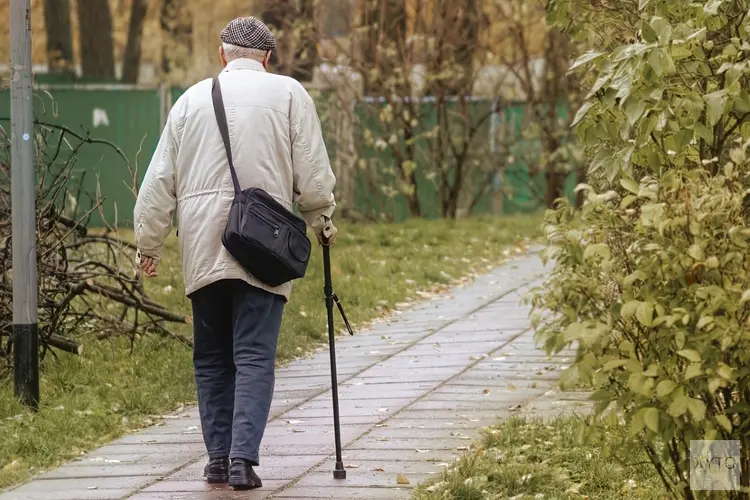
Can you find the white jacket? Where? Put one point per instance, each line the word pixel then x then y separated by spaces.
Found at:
pixel 277 145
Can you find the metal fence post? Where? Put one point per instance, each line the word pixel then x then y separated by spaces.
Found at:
pixel 23 207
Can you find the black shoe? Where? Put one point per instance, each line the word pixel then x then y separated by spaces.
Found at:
pixel 242 476
pixel 217 470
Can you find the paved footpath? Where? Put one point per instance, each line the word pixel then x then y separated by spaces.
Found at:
pixel 414 392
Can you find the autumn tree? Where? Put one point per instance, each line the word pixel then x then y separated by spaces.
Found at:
pixel 382 27
pixel 295 25
pixel 538 57
pixel 176 22
pixel 59 36
pixel 95 38
pixel 132 59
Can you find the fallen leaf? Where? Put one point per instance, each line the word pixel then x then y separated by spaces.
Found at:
pixel 402 479
pixel 351 466
pixel 512 387
pixel 382 410
pixel 379 469
pixel 294 422
pixel 14 465
pixel 423 451
pixel 486 391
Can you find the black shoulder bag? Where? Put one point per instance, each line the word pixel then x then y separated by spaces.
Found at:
pixel 268 240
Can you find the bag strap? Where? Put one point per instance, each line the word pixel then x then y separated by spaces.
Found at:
pixel 221 120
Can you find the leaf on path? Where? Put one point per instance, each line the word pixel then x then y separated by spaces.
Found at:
pixel 382 410
pixel 351 466
pixel 423 451
pixel 486 391
pixel 402 479
pixel 379 469
pixel 294 422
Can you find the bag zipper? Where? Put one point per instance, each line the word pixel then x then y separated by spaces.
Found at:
pixel 276 228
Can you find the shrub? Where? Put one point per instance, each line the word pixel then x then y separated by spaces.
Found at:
pixel 652 277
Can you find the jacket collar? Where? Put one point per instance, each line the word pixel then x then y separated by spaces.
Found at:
pixel 240 64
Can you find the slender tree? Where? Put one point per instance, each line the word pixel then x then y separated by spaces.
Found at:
pixel 59 36
pixel 95 35
pixel 306 53
pixel 132 59
pixel 385 23
pixel 279 16
pixel 177 29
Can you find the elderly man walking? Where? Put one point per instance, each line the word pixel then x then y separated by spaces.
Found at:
pixel 277 145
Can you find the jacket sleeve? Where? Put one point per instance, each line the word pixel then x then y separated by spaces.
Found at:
pixel 314 180
pixel 157 199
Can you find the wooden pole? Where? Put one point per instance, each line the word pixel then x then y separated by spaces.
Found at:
pixel 23 208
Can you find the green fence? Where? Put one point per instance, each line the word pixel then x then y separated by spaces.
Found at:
pixel 126 117
pixel 132 118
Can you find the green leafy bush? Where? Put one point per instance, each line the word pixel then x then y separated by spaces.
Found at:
pixel 652 276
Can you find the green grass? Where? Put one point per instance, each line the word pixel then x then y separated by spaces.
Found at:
pixel 527 459
pixel 94 398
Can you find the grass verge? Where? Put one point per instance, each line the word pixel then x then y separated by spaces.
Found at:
pixel 108 390
pixel 528 459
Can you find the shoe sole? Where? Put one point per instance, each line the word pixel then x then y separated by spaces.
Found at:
pixel 217 478
pixel 242 485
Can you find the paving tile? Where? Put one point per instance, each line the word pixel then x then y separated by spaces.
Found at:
pixel 413 443
pixel 339 492
pixel 68 494
pixel 200 486
pixel 221 494
pixel 358 477
pixel 407 421
pixel 74 471
pixel 422 455
pixel 90 484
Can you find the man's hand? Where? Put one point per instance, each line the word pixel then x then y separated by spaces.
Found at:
pixel 327 234
pixel 148 267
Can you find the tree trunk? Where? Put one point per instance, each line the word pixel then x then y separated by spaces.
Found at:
pixel 413 199
pixel 306 54
pixel 580 178
pixel 555 91
pixel 385 22
pixel 279 15
pixel 555 182
pixel 467 40
pixel 132 61
pixel 95 35
pixel 59 37
pixel 177 29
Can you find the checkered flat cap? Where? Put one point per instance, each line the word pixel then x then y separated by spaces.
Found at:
pixel 248 32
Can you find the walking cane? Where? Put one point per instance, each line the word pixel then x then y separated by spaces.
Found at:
pixel 331 298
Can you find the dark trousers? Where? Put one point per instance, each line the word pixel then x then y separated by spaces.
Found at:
pixel 236 329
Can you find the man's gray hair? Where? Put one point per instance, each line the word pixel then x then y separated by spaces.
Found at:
pixel 232 52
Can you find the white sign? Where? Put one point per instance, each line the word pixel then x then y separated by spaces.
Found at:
pixel 100 117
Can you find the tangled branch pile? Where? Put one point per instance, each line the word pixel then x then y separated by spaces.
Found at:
pixel 87 280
